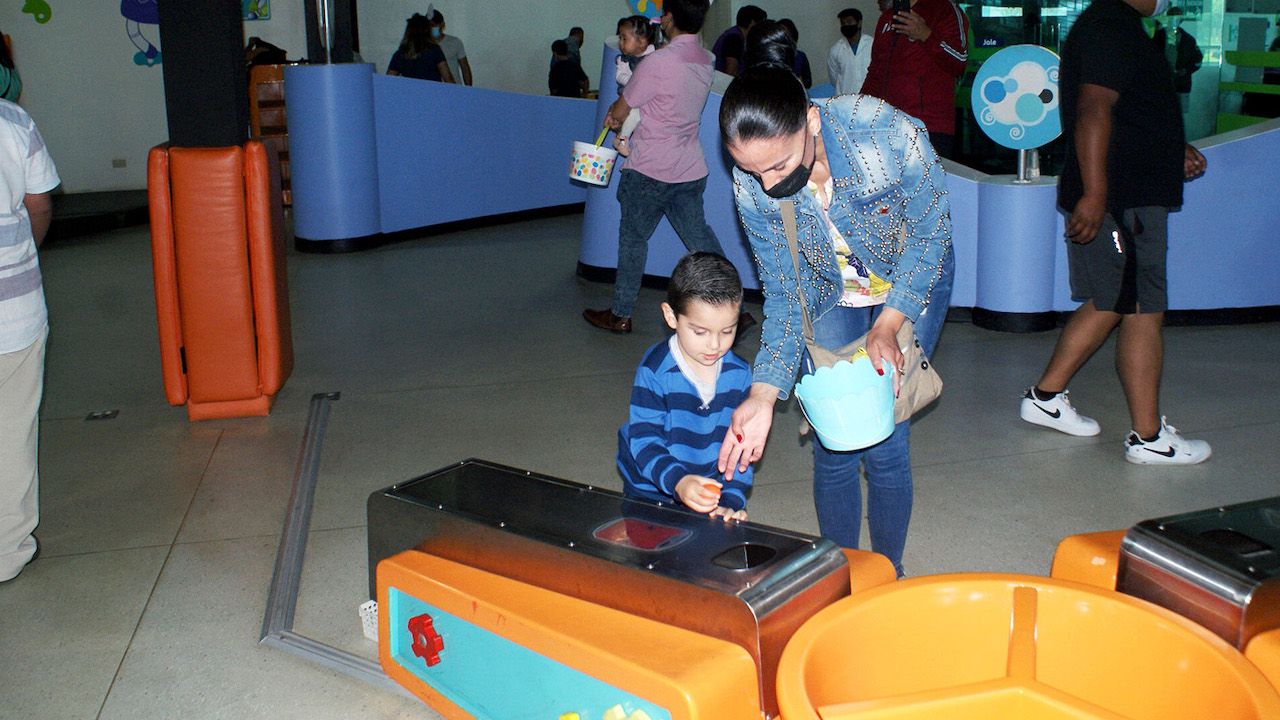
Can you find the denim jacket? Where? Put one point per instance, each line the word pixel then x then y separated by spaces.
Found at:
pixel 885 177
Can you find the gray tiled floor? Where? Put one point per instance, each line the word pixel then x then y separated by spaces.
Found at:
pixel 159 535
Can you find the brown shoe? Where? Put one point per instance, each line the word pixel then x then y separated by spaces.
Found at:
pixel 606 320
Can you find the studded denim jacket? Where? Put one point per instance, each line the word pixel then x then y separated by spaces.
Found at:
pixel 885 177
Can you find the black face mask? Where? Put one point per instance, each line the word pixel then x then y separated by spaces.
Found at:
pixel 850 31
pixel 795 181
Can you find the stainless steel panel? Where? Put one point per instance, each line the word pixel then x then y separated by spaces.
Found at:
pixel 746 583
pixel 1219 567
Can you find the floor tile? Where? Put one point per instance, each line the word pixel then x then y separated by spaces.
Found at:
pixel 204 621
pixel 67 622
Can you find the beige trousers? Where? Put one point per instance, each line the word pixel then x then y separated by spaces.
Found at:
pixel 21 385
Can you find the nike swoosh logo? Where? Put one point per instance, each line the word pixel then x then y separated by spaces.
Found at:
pixel 1167 453
pixel 1055 414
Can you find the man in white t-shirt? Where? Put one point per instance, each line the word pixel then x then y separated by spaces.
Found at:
pixel 850 57
pixel 454 53
pixel 27 175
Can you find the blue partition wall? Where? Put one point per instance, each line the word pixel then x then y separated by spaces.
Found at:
pixel 451 152
pixel 372 154
pixel 1008 237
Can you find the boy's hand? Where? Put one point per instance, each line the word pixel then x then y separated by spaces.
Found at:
pixel 698 493
pixel 727 514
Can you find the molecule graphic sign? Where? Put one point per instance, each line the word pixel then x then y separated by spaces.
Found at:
pixel 1015 97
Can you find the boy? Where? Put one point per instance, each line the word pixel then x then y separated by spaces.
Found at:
pixel 685 392
pixel 566 78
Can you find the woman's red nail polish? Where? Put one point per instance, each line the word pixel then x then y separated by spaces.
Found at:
pixel 880 370
pixel 739 436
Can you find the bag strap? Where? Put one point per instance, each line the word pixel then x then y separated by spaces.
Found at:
pixel 789 228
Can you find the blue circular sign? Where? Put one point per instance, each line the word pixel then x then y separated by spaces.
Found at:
pixel 1015 97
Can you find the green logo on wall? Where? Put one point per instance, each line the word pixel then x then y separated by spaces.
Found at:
pixel 39 10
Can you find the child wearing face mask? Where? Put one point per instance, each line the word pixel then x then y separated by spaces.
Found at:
pixel 637 37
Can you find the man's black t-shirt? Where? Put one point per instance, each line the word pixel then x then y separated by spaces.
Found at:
pixel 1108 46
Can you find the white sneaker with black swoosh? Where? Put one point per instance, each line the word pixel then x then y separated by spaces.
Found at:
pixel 1169 448
pixel 1056 413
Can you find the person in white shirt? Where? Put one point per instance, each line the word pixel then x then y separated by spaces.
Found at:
pixel 27 176
pixel 850 57
pixel 454 53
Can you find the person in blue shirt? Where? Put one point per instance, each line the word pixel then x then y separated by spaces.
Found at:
pixel 684 395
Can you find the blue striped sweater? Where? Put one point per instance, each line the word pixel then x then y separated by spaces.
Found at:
pixel 670 434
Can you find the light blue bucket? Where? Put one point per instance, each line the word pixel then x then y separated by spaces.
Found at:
pixel 849 404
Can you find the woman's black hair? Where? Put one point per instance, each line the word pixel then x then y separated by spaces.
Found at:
pixel 417 36
pixel 639 26
pixel 6 59
pixel 766 100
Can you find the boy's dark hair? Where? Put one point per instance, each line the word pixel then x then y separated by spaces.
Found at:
pixel 437 17
pixel 704 276
pixel 854 13
pixel 575 30
pixel 559 47
pixel 687 15
pixel 748 14
pixel 639 26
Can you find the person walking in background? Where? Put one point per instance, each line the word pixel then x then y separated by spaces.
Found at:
pixel 850 57
pixel 802 68
pixel 454 52
pixel 418 57
pixel 27 175
pixel 666 172
pixel 729 46
pixel 917 57
pixel 1126 161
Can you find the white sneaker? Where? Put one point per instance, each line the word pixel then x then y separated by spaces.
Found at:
pixel 1169 448
pixel 1057 413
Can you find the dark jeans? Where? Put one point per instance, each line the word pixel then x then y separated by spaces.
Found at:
pixel 837 490
pixel 644 201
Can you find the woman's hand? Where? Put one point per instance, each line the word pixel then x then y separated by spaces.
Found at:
pixel 882 343
pixel 748 430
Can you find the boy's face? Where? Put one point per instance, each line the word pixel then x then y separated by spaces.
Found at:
pixel 705 332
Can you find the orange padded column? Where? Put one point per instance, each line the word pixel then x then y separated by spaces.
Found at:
pixel 211 240
pixel 221 295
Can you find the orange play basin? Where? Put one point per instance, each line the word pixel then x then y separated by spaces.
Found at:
pixel 990 646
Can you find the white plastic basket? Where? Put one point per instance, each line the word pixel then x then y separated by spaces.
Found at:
pixel 369 619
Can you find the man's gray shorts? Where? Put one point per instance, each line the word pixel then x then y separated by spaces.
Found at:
pixel 1122 270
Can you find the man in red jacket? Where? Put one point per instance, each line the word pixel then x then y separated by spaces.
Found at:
pixel 916 59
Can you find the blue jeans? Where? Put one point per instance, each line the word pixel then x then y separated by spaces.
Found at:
pixel 644 201
pixel 837 492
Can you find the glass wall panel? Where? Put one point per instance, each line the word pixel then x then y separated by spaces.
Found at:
pixel 1224 56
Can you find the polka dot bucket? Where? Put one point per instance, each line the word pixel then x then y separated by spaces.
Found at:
pixel 592 163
